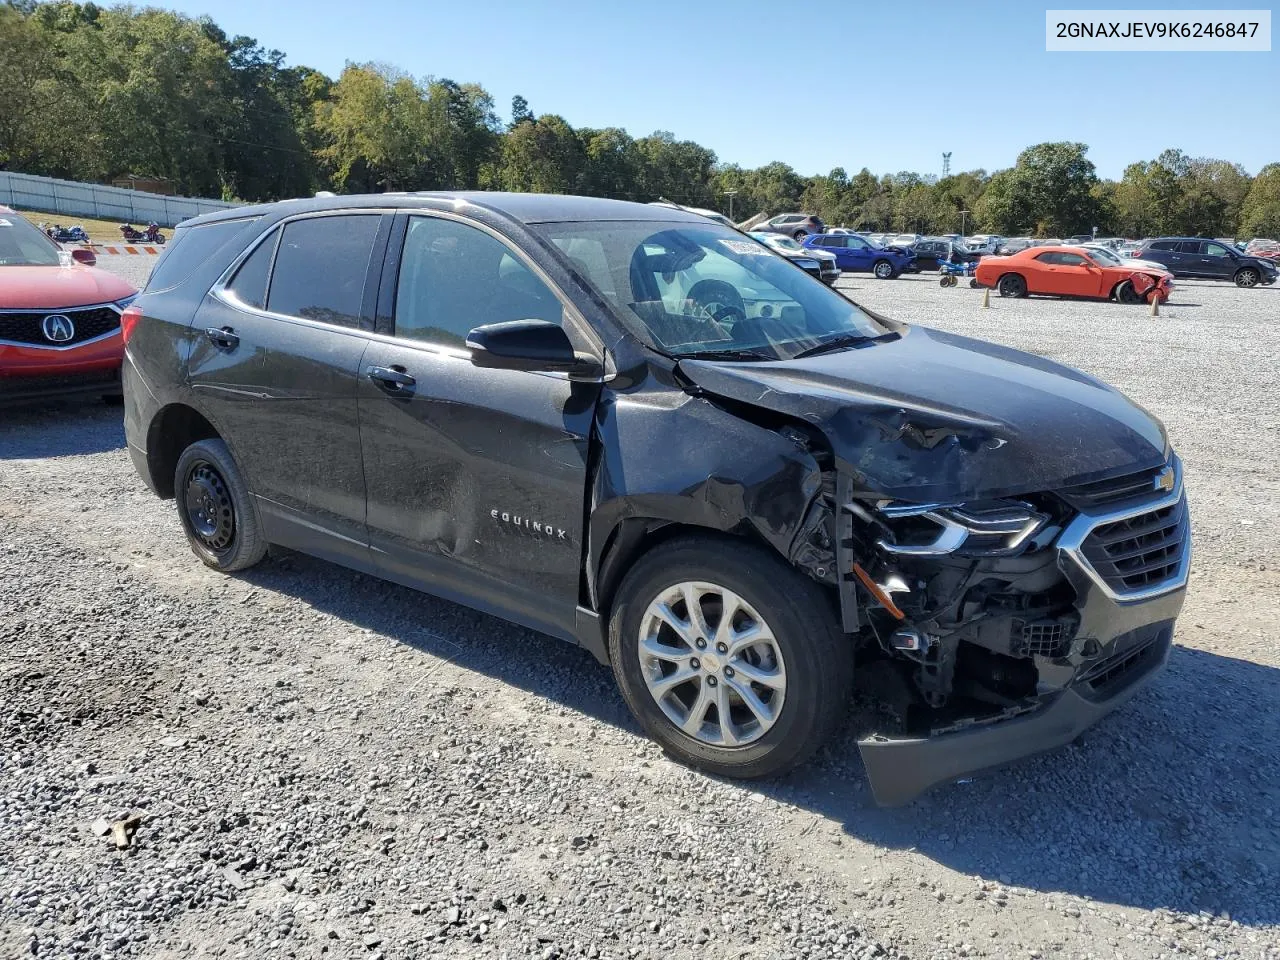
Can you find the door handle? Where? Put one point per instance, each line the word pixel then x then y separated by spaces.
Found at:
pixel 393 377
pixel 223 337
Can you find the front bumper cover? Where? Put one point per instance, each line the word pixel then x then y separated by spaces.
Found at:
pixel 899 770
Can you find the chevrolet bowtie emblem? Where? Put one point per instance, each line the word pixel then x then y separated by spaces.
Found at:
pixel 1164 480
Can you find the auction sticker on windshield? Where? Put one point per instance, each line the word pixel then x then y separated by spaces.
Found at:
pixel 747 248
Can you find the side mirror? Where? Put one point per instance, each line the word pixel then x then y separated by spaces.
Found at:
pixel 85 256
pixel 534 345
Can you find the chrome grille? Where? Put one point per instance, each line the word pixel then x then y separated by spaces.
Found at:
pixel 1113 490
pixel 1138 548
pixel 1137 552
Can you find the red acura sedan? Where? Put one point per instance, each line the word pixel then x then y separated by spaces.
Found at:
pixel 59 317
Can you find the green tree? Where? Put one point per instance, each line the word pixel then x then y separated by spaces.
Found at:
pixel 1260 211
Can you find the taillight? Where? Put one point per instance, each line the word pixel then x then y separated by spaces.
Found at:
pixel 128 320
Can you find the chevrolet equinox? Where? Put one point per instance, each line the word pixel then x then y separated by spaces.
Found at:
pixel 641 431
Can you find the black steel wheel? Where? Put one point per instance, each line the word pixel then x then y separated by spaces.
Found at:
pixel 215 508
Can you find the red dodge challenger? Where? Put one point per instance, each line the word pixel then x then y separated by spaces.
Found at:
pixel 59 317
pixel 1072 272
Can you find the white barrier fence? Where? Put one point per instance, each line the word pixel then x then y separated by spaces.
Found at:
pixel 70 198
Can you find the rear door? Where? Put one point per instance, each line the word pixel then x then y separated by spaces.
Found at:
pixel 1163 251
pixel 476 478
pixel 274 367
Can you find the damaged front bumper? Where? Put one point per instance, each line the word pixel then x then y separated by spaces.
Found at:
pixel 1127 625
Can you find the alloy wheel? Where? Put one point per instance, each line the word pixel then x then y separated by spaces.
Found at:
pixel 712 664
pixel 1246 278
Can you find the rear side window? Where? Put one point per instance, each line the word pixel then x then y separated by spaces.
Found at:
pixel 1190 246
pixel 250 283
pixel 190 248
pixel 320 268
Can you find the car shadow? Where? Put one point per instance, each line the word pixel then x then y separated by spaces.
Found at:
pixel 60 427
pixel 1169 803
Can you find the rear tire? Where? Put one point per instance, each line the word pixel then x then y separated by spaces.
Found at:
pixel 1012 285
pixel 215 508
pixel 799 236
pixel 783 630
pixel 1246 277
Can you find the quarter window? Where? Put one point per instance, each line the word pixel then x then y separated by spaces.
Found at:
pixel 250 282
pixel 191 247
pixel 455 277
pixel 320 268
pixel 1164 245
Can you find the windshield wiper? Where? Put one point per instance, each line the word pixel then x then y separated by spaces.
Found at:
pixel 838 343
pixel 729 355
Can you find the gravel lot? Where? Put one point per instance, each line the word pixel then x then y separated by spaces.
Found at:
pixel 324 764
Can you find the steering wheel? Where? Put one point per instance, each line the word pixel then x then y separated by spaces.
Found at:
pixel 719 300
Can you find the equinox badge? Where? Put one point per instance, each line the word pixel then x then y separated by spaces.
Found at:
pixel 536 526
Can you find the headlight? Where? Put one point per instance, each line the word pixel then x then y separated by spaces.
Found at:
pixel 805 263
pixel 126 301
pixel 980 528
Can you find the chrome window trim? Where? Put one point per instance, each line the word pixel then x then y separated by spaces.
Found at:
pixel 1071 543
pixel 111 304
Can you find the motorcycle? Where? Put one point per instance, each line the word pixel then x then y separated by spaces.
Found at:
pixel 61 234
pixel 151 235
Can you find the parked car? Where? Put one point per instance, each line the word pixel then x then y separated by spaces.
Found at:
pixel 904 240
pixel 794 225
pixel 1078 239
pixel 1070 272
pixel 1014 244
pixel 758 512
pixel 984 243
pixel 819 263
pixel 843 231
pixel 1195 258
pixel 59 317
pixel 715 215
pixel 1106 255
pixel 932 251
pixel 859 254
pixel 1267 249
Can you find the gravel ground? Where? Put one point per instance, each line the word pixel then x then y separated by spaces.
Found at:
pixel 324 764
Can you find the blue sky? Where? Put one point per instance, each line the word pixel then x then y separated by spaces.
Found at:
pixel 886 85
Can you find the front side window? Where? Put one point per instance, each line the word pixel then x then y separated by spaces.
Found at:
pixel 455 277
pixel 1216 250
pixel 320 268
pixel 690 290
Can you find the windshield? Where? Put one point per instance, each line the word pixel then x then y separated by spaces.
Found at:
pixel 22 245
pixel 1103 254
pixel 690 290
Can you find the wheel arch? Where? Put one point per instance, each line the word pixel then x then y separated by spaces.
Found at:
pixel 173 428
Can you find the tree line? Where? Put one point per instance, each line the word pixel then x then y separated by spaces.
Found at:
pixel 92 93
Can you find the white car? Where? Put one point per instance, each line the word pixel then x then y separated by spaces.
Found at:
pixel 1100 251
pixel 827 271
pixel 984 242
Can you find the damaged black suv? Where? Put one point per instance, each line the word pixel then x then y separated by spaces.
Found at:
pixel 643 432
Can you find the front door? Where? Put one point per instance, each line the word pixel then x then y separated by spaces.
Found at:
pixel 857 254
pixel 476 478
pixel 1216 261
pixel 275 366
pixel 1069 274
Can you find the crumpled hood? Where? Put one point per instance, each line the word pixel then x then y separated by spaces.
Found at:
pixel 936 417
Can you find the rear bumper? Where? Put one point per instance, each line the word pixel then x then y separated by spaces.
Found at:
pixel 900 770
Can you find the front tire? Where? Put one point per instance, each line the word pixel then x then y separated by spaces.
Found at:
pixel 1246 277
pixel 215 508
pixel 883 270
pixel 799 236
pixel 729 658
pixel 1126 294
pixel 1012 285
